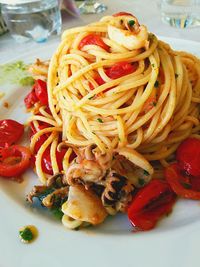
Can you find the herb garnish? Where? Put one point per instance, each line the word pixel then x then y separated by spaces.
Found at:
pixel 131 23
pixel 141 181
pixel 91 97
pixel 154 104
pixel 156 84
pixel 176 75
pixel 100 120
pixel 26 234
pixel 145 173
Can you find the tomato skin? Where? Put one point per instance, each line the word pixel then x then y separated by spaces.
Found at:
pixel 14 160
pixel 10 132
pixel 152 202
pixel 120 69
pixel 30 99
pixel 122 14
pixel 99 80
pixel 40 88
pixel 93 39
pixel 188 156
pixel 177 182
pixel 46 160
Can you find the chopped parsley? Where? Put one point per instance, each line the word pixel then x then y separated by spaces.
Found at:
pixel 91 97
pixel 176 75
pixel 156 84
pixel 146 173
pixel 26 234
pixel 154 104
pixel 153 65
pixel 141 181
pixel 131 23
pixel 186 185
pixel 100 120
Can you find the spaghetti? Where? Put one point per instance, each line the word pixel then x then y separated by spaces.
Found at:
pixel 121 100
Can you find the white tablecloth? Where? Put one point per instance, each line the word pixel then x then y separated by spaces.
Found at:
pixel 146 11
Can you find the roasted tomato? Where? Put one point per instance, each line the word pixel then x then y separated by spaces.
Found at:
pixel 120 69
pixel 116 71
pixel 14 160
pixel 93 39
pixel 30 99
pixel 38 93
pixel 40 88
pixel 188 156
pixel 46 160
pixel 10 132
pixel 151 203
pixel 183 185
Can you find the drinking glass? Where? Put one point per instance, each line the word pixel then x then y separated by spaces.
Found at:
pixel 32 19
pixel 92 7
pixel 180 13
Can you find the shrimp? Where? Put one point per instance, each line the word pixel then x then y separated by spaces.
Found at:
pixel 127 32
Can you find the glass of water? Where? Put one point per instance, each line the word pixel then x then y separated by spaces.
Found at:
pixel 31 19
pixel 180 13
pixel 92 7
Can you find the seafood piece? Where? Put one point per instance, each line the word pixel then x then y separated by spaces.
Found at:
pixel 118 192
pixel 127 31
pixel 84 206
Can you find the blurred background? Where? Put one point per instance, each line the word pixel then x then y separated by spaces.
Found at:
pixel 30 24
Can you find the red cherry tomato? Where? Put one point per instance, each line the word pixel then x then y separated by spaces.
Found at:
pixel 10 132
pixel 46 160
pixel 151 203
pixel 122 14
pixel 40 88
pixel 14 160
pixel 188 156
pixel 182 185
pixel 120 69
pixel 42 138
pixel 93 39
pixel 30 99
pixel 99 80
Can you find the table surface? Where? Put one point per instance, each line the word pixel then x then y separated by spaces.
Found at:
pixel 147 11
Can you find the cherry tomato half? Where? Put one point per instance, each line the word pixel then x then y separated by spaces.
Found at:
pixel 14 160
pixel 10 132
pixel 182 185
pixel 120 69
pixel 40 88
pixel 188 156
pixel 93 39
pixel 46 160
pixel 30 99
pixel 151 203
pixel 116 71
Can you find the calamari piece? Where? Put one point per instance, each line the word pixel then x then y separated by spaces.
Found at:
pixel 83 205
pixel 129 39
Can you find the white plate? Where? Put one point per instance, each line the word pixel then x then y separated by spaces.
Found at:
pixel 175 242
